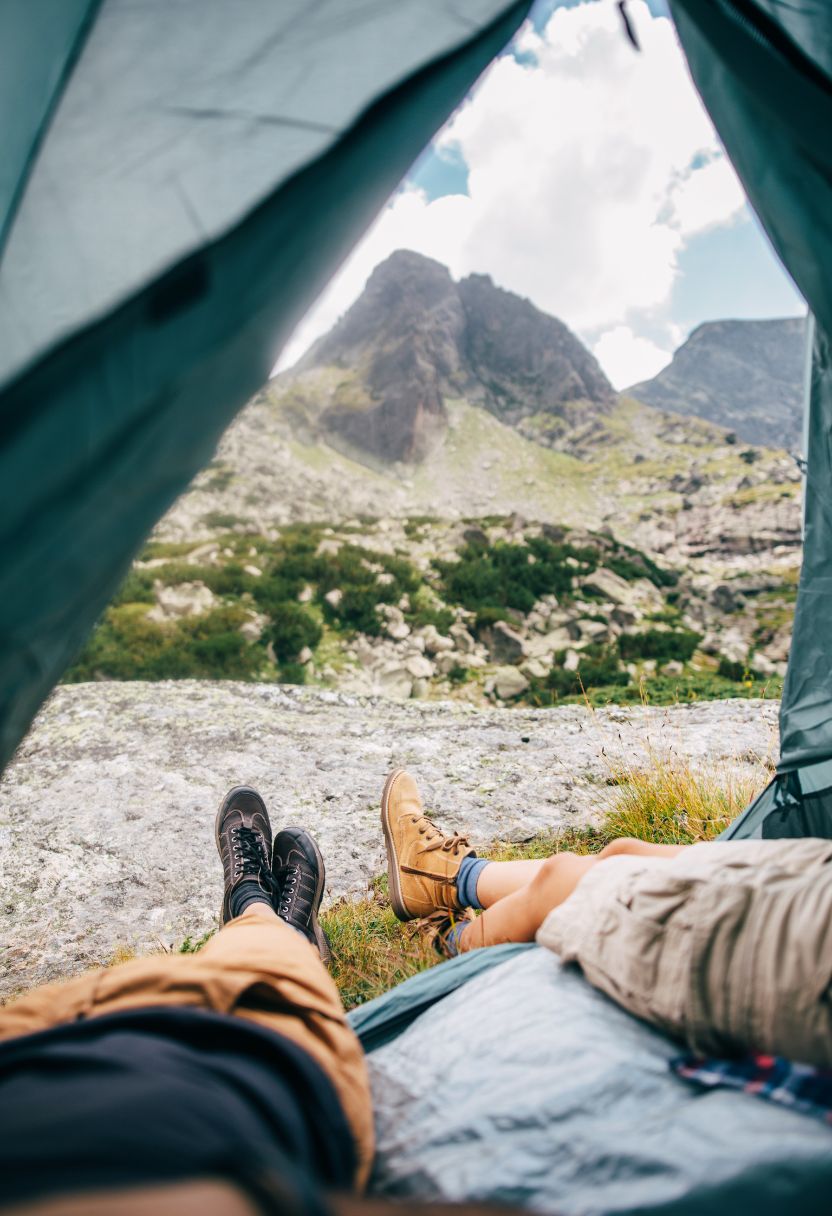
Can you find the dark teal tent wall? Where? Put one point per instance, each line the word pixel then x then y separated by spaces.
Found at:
pixel 764 70
pixel 102 427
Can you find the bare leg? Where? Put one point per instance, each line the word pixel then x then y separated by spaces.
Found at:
pixel 518 916
pixel 502 878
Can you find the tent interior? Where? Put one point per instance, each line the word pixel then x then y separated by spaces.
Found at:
pixel 213 174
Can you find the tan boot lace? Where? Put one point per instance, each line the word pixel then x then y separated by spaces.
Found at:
pixel 434 839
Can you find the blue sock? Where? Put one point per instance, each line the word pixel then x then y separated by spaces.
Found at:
pixel 467 878
pixel 452 938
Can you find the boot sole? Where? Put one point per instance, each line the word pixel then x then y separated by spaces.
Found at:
pixel 309 841
pixel 393 883
pixel 224 802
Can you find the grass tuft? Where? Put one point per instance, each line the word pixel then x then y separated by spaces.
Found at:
pixel 371 950
pixel 670 803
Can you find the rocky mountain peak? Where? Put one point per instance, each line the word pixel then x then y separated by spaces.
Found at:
pixel 416 338
pixel 744 375
pixel 522 360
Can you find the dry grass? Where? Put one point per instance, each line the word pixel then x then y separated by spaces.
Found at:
pixel 671 803
pixel 371 950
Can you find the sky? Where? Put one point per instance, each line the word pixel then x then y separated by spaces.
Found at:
pixel 587 177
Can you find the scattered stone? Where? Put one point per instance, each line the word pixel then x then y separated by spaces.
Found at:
pixel 306 594
pixel 506 645
pixel 254 571
pixel 609 585
pixel 182 599
pixel 334 597
pixel 252 629
pixel 509 682
pixel 419 667
pixel 462 638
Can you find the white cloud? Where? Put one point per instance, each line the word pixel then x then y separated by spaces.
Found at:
pixel 627 358
pixel 589 168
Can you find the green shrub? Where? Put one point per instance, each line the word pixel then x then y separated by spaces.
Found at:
pixel 458 674
pixel 507 575
pixel 293 673
pixel 599 670
pixel 292 628
pixel 127 646
pixel 730 669
pixel 137 588
pixel 631 564
pixel 659 644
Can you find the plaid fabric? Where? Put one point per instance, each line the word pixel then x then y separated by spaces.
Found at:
pixel 799 1086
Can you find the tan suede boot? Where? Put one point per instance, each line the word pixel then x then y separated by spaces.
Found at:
pixel 422 863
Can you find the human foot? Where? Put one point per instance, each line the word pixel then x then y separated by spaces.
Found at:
pixel 244 842
pixel 300 875
pixel 422 863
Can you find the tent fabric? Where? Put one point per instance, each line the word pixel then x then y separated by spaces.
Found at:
pixel 187 184
pixel 764 70
pixel 526 1086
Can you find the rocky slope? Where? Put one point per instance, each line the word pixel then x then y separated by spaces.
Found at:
pixel 110 800
pixel 744 375
pixel 380 380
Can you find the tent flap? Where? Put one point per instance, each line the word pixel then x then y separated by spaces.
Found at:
pixel 111 417
pixel 764 71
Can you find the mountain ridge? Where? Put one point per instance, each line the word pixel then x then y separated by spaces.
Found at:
pixel 744 375
pixel 415 338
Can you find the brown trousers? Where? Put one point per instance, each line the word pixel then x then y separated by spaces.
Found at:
pixel 256 968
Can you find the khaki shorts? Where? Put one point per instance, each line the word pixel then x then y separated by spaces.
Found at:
pixel 728 945
pixel 255 968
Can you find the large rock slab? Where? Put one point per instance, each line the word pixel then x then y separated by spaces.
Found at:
pixel 107 811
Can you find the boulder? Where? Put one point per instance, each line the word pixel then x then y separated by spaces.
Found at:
pixel 461 637
pixel 506 645
pixel 419 667
pixel 535 669
pixel 509 682
pixel 394 681
pixel 252 629
pixel 548 643
pixel 183 599
pixel 571 660
pixel 434 641
pixel 609 585
pixel 334 597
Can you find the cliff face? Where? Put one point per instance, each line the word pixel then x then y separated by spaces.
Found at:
pixel 522 361
pixel 744 375
pixel 416 338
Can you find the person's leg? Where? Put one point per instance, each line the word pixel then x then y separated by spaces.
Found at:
pixel 518 916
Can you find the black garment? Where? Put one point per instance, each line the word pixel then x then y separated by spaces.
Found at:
pixel 159 1095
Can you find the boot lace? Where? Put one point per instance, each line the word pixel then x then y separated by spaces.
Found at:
pixel 435 840
pixel 287 879
pixel 249 853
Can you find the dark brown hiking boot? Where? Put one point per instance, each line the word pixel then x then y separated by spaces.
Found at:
pixel 422 863
pixel 300 875
pixel 244 842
